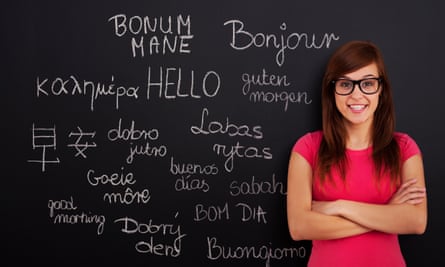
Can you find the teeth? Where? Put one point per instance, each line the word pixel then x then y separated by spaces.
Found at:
pixel 357 107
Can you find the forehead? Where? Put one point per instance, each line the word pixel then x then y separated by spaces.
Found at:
pixel 370 70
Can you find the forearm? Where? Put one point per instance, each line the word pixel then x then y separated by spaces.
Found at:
pixel 405 213
pixel 305 223
pixel 316 226
pixel 391 218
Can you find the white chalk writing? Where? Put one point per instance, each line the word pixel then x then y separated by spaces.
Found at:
pixel 242 40
pixel 128 197
pixel 44 138
pixel 212 213
pixel 171 85
pixel 266 96
pixel 82 147
pixel 78 218
pixel 227 127
pixel 255 187
pixel 231 152
pixel 187 173
pixel 72 85
pixel 119 179
pixel 114 179
pixel 173 34
pixel 217 251
pixel 133 134
pixel 132 226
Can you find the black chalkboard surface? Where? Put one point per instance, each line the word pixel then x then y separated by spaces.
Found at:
pixel 157 133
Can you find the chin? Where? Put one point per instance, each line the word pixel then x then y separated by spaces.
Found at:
pixel 355 121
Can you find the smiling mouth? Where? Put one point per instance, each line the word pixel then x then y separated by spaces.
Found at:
pixel 357 107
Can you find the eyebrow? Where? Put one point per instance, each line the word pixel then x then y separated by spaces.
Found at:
pixel 364 77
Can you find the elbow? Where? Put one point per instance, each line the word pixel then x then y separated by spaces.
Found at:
pixel 420 226
pixel 296 232
pixel 295 235
pixel 420 230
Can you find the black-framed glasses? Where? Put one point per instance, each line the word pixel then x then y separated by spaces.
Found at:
pixel 368 86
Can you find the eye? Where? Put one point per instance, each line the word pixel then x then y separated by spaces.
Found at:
pixel 344 84
pixel 371 83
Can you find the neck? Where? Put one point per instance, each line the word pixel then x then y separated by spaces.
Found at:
pixel 359 136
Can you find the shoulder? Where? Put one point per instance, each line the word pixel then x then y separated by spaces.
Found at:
pixel 408 146
pixel 313 138
pixel 403 139
pixel 309 141
pixel 307 146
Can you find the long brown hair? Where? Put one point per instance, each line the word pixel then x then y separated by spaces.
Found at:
pixel 386 152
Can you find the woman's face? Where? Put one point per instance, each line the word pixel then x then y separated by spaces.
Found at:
pixel 358 108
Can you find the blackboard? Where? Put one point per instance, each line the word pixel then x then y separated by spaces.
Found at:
pixel 157 133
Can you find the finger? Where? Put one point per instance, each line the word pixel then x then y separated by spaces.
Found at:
pixel 405 186
pixel 408 183
pixel 416 201
pixel 411 189
pixel 413 198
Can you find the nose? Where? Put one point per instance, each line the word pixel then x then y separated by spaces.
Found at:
pixel 357 92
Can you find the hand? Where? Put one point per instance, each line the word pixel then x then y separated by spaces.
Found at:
pixel 409 193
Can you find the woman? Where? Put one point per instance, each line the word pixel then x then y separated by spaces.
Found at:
pixel 357 184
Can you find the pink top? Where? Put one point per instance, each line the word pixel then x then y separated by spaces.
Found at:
pixel 370 249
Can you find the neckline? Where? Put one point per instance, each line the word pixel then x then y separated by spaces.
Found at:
pixel 363 150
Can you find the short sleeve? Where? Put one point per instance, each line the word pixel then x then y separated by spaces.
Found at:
pixel 307 146
pixel 408 147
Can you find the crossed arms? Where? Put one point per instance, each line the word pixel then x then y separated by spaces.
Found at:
pixel 406 212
